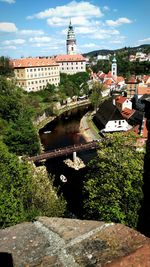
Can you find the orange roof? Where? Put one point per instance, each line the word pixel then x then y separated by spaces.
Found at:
pixel 127 113
pixel 62 58
pixel 143 90
pixel 108 82
pixel 32 62
pixel 120 79
pixel 121 99
pixel 109 75
pixel 132 79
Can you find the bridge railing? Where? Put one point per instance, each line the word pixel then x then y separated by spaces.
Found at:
pixel 64 151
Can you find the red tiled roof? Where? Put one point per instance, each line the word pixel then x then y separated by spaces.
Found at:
pixel 109 75
pixel 121 99
pixel 32 62
pixel 61 58
pixel 127 113
pixel 143 90
pixel 108 82
pixel 120 79
pixel 132 80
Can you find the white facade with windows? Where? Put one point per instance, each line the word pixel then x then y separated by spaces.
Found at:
pixel 33 74
pixel 71 64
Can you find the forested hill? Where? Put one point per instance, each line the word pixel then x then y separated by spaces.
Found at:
pixel 130 50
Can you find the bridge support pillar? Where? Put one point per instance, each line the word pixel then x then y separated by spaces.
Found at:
pixel 74 156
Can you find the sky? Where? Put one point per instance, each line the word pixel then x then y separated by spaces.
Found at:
pixel 39 28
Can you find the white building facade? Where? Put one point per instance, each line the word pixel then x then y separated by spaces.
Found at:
pixel 33 74
pixel 71 64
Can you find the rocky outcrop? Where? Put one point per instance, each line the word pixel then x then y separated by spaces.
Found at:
pixel 58 242
pixel 77 164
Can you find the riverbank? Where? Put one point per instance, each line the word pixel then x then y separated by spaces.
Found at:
pixel 45 120
pixel 88 128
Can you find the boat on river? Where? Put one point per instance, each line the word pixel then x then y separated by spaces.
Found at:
pixel 47 132
pixel 63 178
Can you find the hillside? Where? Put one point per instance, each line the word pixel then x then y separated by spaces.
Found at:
pixel 130 50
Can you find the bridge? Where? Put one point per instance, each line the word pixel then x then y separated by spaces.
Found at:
pixel 64 151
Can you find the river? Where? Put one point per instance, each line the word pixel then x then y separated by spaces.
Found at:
pixel 64 131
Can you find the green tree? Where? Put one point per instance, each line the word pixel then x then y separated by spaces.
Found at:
pixel 21 136
pixel 96 95
pixel 5 67
pixel 16 120
pixel 15 188
pixel 113 188
pixel 25 191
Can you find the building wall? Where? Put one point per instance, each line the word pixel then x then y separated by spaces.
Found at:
pixel 36 78
pixel 131 89
pixel 72 67
pixel 117 125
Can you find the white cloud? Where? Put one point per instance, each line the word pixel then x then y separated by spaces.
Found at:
pixel 31 32
pixel 11 47
pixel 146 40
pixel 85 30
pixel 14 42
pixel 80 20
pixel 72 9
pixel 44 39
pixel 106 8
pixel 8 1
pixel 104 34
pixel 118 22
pixel 7 27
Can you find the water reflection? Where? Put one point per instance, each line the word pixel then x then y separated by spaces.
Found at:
pixel 64 132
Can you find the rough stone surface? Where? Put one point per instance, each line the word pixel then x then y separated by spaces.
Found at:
pixel 59 242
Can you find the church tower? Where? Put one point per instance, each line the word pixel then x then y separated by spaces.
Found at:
pixel 71 41
pixel 114 67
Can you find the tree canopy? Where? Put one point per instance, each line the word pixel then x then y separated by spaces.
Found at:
pixel 18 131
pixel 5 67
pixel 25 191
pixel 113 187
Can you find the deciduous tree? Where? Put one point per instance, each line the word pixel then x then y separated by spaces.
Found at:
pixel 114 182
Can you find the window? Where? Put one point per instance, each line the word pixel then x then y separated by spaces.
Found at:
pixel 30 70
pixel 34 69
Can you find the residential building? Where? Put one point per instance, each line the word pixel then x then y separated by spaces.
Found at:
pixel 122 102
pixel 109 119
pixel 71 64
pixel 131 86
pixel 103 57
pixel 33 74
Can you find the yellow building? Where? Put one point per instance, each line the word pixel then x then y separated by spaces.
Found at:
pixel 33 74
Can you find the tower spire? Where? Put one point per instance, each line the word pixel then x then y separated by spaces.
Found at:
pixel 114 66
pixel 71 40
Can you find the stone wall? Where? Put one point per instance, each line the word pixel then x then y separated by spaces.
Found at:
pixel 58 242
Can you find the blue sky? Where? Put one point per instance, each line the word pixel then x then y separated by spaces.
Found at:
pixel 39 28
